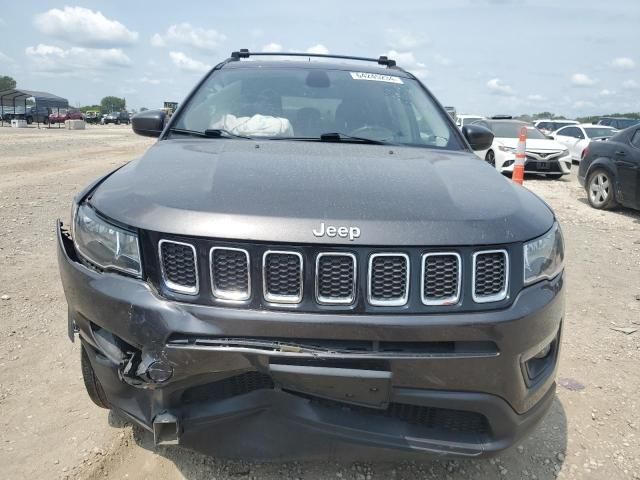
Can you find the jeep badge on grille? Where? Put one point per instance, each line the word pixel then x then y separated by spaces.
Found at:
pixel 333 231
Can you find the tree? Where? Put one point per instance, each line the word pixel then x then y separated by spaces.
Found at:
pixel 92 108
pixel 7 83
pixel 112 104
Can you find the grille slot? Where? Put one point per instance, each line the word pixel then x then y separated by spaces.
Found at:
pixel 388 279
pixel 441 278
pixel 230 273
pixel 179 266
pixel 282 276
pixel 490 275
pixel 335 278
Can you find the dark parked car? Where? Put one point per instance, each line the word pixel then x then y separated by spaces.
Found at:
pixel 117 118
pixel 610 171
pixel 311 261
pixel 619 123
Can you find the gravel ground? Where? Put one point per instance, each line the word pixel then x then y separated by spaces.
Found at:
pixel 50 429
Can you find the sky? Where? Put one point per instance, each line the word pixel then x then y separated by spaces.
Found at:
pixel 571 57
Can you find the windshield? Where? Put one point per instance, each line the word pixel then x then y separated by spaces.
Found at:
pixel 594 132
pixel 625 123
pixel 512 130
pixel 559 125
pixel 284 103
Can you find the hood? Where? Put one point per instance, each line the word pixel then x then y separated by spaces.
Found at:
pixel 280 191
pixel 533 145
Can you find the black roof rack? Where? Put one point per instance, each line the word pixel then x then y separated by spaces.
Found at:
pixel 245 53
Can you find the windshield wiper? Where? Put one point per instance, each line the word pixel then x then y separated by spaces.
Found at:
pixel 334 137
pixel 340 137
pixel 209 133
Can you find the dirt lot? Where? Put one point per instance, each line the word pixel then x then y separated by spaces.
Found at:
pixel 50 429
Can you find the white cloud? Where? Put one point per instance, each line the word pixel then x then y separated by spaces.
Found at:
pixel 606 92
pixel 581 80
pixel 85 27
pixel 76 60
pixel 623 63
pixel 583 104
pixel 442 60
pixel 498 87
pixel 205 39
pixel 319 48
pixel 157 40
pixel 5 58
pixel 272 47
pixel 402 40
pixel 536 97
pixel 150 81
pixel 630 85
pixel 188 64
pixel 408 60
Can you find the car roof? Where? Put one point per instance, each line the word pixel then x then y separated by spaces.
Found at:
pixel 557 120
pixel 591 125
pixel 349 66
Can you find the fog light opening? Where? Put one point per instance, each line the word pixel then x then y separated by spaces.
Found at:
pixel 544 352
pixel 159 371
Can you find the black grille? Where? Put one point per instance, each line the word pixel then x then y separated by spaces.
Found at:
pixel 179 266
pixel 227 388
pixel 388 279
pixel 437 420
pixel 490 275
pixel 336 278
pixel 230 273
pixel 282 277
pixel 441 278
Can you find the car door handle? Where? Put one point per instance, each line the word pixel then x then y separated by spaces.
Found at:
pixel 621 153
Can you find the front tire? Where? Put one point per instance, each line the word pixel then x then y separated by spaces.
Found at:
pixel 600 190
pixel 490 158
pixel 91 382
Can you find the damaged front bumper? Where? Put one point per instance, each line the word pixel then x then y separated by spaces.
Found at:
pixel 266 384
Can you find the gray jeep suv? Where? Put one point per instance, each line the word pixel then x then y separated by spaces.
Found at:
pixel 311 261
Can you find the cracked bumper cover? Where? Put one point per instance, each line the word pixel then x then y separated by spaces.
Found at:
pixel 291 419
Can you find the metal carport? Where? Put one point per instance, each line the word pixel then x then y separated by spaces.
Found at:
pixel 42 100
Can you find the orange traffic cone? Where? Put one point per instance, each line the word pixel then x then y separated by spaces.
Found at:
pixel 518 168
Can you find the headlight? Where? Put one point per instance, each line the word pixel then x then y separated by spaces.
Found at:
pixel 502 148
pixel 544 256
pixel 107 246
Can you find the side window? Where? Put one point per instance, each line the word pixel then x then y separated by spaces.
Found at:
pixel 544 125
pixel 605 121
pixel 573 132
pixel 564 132
pixel 635 140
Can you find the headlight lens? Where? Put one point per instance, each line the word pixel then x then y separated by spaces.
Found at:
pixel 502 148
pixel 107 246
pixel 544 256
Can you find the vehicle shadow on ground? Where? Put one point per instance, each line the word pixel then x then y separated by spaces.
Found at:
pixel 622 211
pixel 540 454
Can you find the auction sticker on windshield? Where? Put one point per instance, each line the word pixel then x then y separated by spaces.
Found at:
pixel 376 77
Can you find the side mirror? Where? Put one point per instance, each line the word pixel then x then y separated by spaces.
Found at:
pixel 148 123
pixel 550 137
pixel 479 137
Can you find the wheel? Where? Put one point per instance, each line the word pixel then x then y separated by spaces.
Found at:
pixel 91 382
pixel 554 176
pixel 490 158
pixel 600 190
pixel 117 122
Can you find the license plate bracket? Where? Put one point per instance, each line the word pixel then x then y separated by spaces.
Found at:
pixel 371 388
